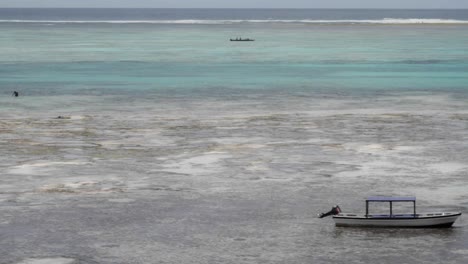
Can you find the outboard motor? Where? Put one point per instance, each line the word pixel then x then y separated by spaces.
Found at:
pixel 334 211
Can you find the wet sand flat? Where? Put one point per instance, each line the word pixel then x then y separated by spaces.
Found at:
pixel 214 180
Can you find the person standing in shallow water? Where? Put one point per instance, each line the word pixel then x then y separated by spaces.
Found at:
pixel 15 94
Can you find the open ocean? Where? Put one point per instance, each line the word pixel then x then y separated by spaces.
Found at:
pixel 176 145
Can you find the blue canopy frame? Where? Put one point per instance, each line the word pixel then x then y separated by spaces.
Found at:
pixel 391 200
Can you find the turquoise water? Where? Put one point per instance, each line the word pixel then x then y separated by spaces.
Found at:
pixel 63 58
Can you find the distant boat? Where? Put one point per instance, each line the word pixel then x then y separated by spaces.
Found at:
pixel 241 39
pixel 412 220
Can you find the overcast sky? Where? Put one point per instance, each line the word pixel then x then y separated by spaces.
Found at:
pixel 241 3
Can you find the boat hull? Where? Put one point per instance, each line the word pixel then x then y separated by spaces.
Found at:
pixel 440 220
pixel 242 39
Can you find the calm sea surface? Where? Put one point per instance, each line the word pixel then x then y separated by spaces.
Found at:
pixel 146 136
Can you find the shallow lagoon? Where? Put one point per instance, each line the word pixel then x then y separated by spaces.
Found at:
pixel 177 148
pixel 233 181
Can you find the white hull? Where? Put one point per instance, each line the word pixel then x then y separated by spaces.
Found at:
pixel 421 220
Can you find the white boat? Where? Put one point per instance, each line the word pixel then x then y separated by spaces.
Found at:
pixel 411 220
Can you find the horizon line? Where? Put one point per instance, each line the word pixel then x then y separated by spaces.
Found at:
pixel 294 8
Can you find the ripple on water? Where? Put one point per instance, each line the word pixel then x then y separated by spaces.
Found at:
pixel 39 168
pixel 197 165
pixel 58 260
pixel 90 187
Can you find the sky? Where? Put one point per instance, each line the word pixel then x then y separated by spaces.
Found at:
pixel 240 3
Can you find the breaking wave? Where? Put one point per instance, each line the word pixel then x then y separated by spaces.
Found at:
pixel 401 21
